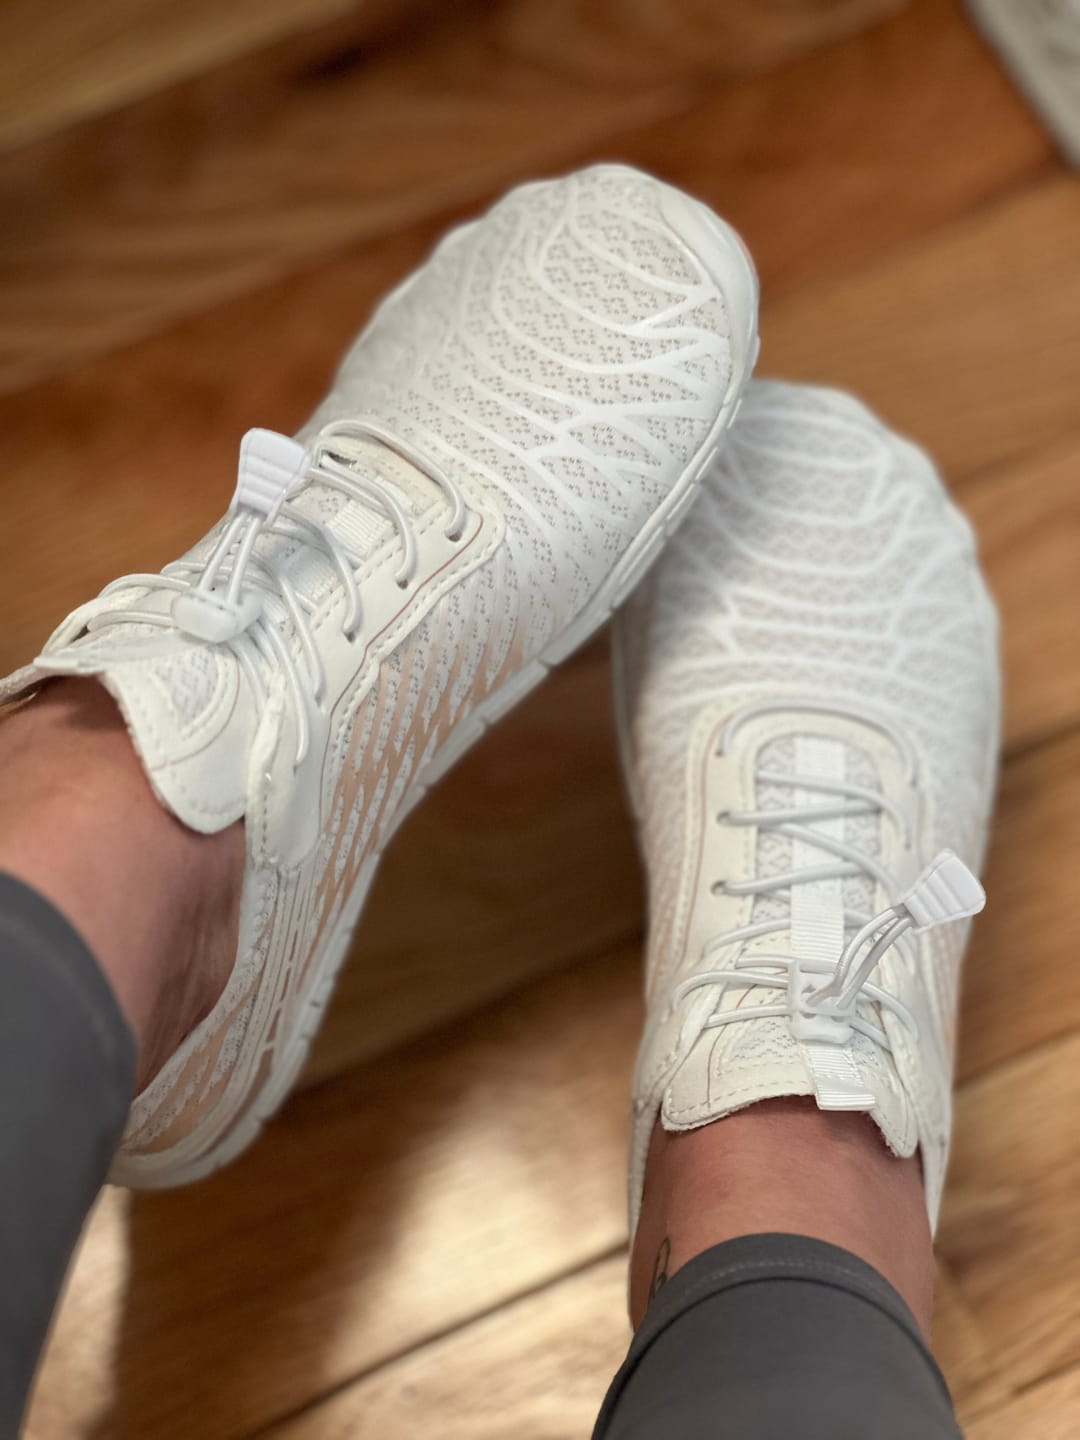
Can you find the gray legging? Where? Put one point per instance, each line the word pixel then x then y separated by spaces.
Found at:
pixel 769 1337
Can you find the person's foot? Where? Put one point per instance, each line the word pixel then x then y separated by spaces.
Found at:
pixel 503 453
pixel 157 903
pixel 807 690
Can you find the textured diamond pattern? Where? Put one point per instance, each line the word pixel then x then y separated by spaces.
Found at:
pixel 533 355
pixel 563 360
pixel 824 562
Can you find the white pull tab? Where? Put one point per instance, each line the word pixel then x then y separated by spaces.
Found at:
pixel 271 466
pixel 946 890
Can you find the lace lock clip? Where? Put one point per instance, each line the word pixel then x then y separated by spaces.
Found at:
pixel 206 615
pixel 811 1019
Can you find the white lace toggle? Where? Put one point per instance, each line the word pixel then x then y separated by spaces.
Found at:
pixel 271 467
pixel 946 890
pixel 827 1013
pixel 240 598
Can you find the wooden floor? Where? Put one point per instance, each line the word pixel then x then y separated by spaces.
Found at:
pixel 203 202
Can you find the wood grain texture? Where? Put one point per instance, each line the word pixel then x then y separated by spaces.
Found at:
pixel 73 61
pixel 969 340
pixel 67 60
pixel 1027 519
pixel 1050 1411
pixel 223 184
pixel 537 1369
pixel 963 1351
pixel 1008 1231
pixel 402 1200
pixel 1031 920
pixel 127 224
pixel 822 164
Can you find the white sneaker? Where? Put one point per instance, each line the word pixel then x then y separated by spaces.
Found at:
pixel 807 689
pixel 502 455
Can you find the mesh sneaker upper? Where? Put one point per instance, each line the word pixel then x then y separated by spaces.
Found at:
pixel 824 563
pixel 562 361
pixel 566 354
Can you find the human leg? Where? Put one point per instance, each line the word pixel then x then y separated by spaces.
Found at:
pixel 116 930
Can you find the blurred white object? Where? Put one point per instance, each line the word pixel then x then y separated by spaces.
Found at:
pixel 1039 42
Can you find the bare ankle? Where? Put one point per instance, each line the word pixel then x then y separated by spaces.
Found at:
pixel 785 1166
pixel 157 904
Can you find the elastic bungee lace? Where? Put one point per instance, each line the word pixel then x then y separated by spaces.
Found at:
pixel 821 997
pixel 239 598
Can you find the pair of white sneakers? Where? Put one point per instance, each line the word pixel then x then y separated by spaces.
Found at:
pixel 807 682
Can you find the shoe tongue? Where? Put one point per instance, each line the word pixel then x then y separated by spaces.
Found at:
pixel 356 521
pixel 739 1063
pixel 826 759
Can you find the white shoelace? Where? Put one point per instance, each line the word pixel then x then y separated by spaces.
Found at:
pixel 821 998
pixel 224 599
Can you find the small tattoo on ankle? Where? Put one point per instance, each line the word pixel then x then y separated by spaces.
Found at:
pixel 660 1270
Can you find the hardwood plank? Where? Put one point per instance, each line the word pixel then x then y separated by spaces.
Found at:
pixel 1008 1231
pixel 378 1212
pixel 67 60
pixel 1027 519
pixel 173 406
pixel 223 184
pixel 537 1369
pixel 120 236
pixel 421 1191
pixel 968 341
pixel 74 1385
pixel 71 61
pixel 1050 1411
pixel 818 189
pixel 634 43
pixel 962 1350
pixel 1031 919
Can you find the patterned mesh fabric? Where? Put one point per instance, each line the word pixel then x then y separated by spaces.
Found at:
pixel 823 562
pixel 563 360
pixel 566 353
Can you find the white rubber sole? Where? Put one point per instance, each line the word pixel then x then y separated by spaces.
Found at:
pixel 213 1145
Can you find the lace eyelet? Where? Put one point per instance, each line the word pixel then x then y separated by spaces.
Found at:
pixel 723 817
pixel 402 584
pixel 454 536
pixel 718 887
